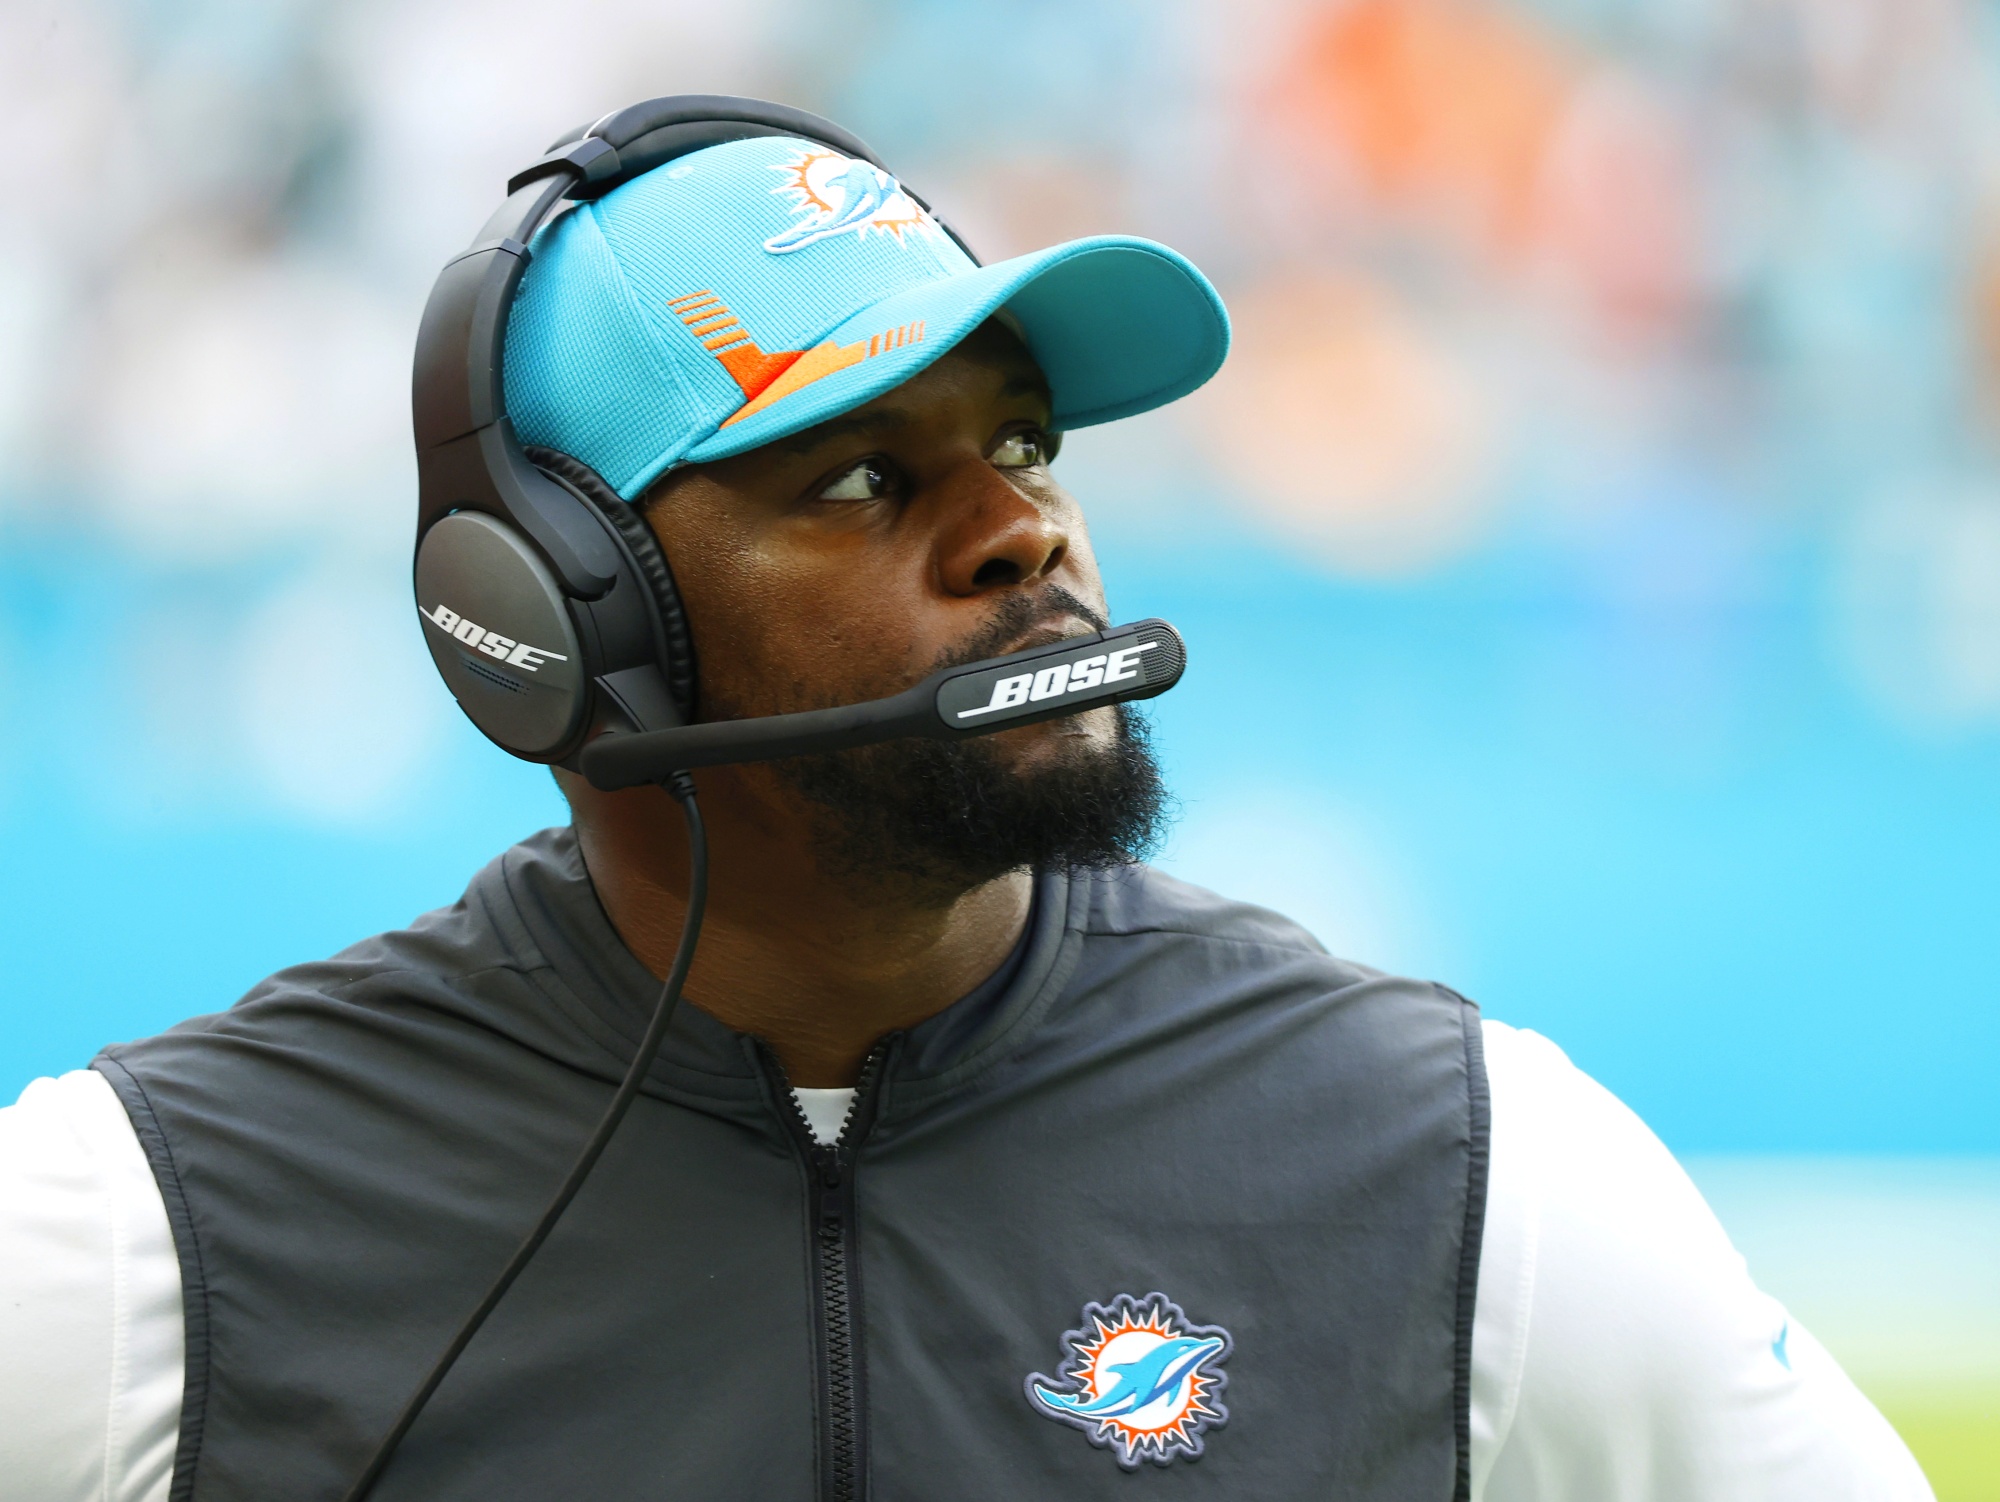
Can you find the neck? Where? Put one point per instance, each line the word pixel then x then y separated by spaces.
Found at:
pixel 819 967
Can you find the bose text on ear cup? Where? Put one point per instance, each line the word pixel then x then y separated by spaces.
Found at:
pixel 501 634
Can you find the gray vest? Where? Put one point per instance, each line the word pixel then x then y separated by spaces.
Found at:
pixel 1179 1204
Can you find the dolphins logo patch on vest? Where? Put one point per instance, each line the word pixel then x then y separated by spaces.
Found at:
pixel 837 195
pixel 1139 1379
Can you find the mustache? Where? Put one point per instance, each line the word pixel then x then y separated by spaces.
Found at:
pixel 1017 615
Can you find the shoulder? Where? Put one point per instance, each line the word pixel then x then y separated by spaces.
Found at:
pixel 1625 1284
pixel 422 968
pixel 1564 1131
pixel 1620 1345
pixel 1614 1213
pixel 1166 964
pixel 1141 899
pixel 1178 940
pixel 1160 914
pixel 91 1325
pixel 60 1143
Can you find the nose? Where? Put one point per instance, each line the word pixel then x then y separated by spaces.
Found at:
pixel 996 537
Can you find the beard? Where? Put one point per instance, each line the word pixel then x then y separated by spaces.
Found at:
pixel 931 820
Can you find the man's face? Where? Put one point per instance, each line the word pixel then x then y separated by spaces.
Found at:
pixel 853 559
pixel 841 563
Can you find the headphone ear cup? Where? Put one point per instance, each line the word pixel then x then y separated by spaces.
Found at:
pixel 624 519
pixel 499 629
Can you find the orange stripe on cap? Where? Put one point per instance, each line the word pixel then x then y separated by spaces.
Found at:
pixel 752 369
pixel 815 364
pixel 822 361
pixel 767 378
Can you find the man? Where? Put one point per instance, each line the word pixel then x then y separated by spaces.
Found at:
pixel 986 1162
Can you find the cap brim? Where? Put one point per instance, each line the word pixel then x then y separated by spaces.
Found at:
pixel 1118 325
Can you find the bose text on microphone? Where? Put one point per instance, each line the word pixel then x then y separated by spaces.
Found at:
pixel 1082 672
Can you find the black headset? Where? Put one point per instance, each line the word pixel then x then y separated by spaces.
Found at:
pixel 550 609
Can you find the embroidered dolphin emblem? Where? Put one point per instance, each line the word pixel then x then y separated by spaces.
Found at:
pixel 1157 1375
pixel 863 192
pixel 1140 1379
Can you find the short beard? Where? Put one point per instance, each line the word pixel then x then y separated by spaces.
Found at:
pixel 934 819
pixel 931 820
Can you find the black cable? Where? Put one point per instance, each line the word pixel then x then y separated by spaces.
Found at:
pixel 682 787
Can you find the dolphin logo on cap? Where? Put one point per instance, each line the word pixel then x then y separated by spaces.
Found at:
pixel 840 194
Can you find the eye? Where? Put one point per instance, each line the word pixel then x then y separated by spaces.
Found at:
pixel 865 480
pixel 1023 450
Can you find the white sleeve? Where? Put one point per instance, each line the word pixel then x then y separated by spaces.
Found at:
pixel 1620 1352
pixel 91 1339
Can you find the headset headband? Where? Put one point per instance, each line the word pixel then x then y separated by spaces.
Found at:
pixel 459 390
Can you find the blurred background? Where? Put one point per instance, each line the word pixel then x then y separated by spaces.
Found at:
pixel 1612 435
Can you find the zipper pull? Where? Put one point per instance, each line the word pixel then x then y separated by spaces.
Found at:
pixel 836 1193
pixel 829 1164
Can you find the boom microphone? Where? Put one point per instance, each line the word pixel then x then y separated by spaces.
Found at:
pixel 1043 683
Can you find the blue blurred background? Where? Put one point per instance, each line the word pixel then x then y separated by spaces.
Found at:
pixel 1610 442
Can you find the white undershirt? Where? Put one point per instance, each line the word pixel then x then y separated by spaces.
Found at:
pixel 825 1112
pixel 1620 1351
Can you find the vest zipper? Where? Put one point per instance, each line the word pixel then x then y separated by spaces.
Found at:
pixel 837 1331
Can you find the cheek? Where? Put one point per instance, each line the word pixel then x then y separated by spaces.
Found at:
pixel 728 615
pixel 780 628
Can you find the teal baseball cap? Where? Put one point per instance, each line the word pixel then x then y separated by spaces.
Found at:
pixel 750 290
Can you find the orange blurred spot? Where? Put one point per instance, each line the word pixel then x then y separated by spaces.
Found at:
pixel 1474 121
pixel 1436 99
pixel 1350 428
